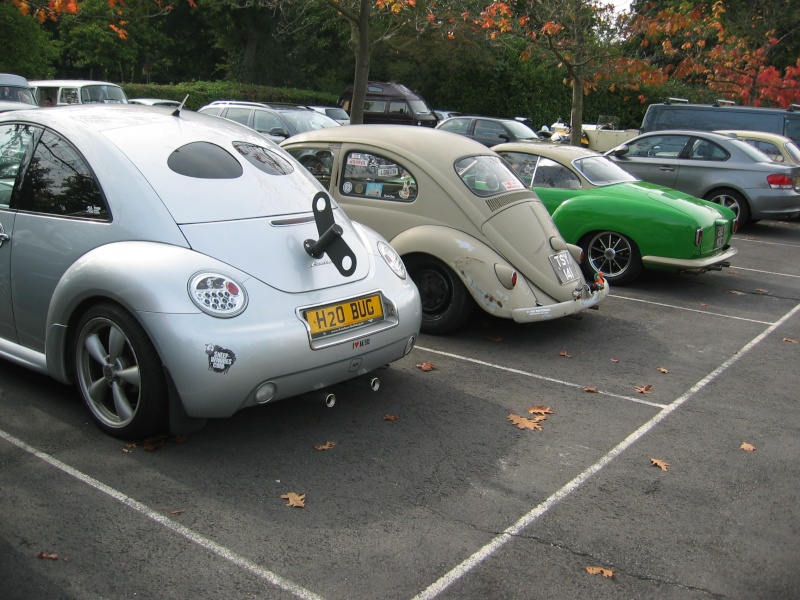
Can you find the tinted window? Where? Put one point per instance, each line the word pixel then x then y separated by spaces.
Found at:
pixel 710 119
pixel 203 160
pixel 491 131
pixel 374 106
pixel 487 175
pixel 57 181
pixel 399 108
pixel 264 122
pixel 16 141
pixel 791 128
pixel 371 176
pixel 263 159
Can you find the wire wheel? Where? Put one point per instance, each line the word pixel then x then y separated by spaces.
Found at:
pixel 614 255
pixel 119 374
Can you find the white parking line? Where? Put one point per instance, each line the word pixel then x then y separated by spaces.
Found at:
pixel 190 535
pixel 506 536
pixel 765 272
pixel 535 376
pixel 705 312
pixel 744 239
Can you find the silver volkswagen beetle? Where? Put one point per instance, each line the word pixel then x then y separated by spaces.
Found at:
pixel 178 267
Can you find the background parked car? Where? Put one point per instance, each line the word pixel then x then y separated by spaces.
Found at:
pixel 778 147
pixel 160 263
pixel 64 92
pixel 715 167
pixel 277 122
pixel 441 115
pixel 489 131
pixel 392 103
pixel 467 228
pixel 334 112
pixel 622 224
pixel 15 93
pixel 154 102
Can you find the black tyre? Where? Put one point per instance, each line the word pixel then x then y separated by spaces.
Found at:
pixel 119 374
pixel 446 304
pixel 735 201
pixel 613 254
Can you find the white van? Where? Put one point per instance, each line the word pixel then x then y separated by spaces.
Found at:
pixel 63 92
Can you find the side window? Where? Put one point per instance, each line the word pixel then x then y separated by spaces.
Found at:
pixel 791 128
pixel 371 176
pixel 658 146
pixel 767 148
pixel 264 122
pixel 399 108
pixel 489 130
pixel 16 141
pixel 706 150
pixel 456 126
pixel 551 174
pixel 317 162
pixel 69 96
pixel 374 106
pixel 240 115
pixel 523 165
pixel 58 182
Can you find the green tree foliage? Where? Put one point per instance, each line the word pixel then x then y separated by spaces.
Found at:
pixel 27 48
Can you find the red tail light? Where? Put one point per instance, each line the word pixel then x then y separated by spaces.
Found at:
pixel 698 237
pixel 780 181
pixel 735 226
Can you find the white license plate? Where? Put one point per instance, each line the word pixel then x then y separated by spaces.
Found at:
pixel 564 268
pixel 719 238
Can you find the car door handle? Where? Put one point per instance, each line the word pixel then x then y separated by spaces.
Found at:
pixel 666 168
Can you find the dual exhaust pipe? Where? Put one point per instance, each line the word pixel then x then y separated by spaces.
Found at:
pixel 329 398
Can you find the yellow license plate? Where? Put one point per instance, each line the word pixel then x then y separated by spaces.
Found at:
pixel 335 318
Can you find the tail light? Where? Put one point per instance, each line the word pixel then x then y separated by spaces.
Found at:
pixel 698 237
pixel 735 226
pixel 780 181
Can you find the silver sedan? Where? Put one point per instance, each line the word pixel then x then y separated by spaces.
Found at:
pixel 178 267
pixel 715 167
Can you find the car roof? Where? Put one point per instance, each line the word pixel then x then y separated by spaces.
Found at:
pixel 428 144
pixel 757 135
pixel 68 82
pixel 556 151
pixel 721 137
pixel 11 79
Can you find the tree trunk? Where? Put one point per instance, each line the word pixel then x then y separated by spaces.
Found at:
pixel 576 116
pixel 360 31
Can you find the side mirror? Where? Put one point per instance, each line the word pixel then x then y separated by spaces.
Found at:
pixel 620 150
pixel 503 136
pixel 279 132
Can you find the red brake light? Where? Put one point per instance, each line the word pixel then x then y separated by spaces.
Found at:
pixel 735 226
pixel 779 181
pixel 514 279
pixel 698 237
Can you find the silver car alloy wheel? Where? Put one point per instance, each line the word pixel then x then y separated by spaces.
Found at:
pixel 614 255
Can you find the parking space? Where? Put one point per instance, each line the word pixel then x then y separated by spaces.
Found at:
pixel 430 491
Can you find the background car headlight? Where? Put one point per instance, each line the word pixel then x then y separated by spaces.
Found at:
pixel 217 295
pixel 392 259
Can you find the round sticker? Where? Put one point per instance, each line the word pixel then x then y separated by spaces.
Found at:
pixel 347 187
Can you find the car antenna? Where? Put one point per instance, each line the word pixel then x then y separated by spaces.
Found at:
pixel 177 111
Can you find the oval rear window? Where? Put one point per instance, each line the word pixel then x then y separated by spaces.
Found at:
pixel 263 159
pixel 204 160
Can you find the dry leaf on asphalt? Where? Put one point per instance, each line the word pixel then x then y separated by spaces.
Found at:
pixel 600 571
pixel 615 360
pixel 747 447
pixel 564 354
pixel 293 499
pixel 494 338
pixel 540 410
pixel 426 366
pixel 524 423
pixel 180 511
pixel 790 340
pixel 703 304
pixel 129 447
pixel 390 417
pixel 760 291
pixel 662 370
pixel 736 292
pixel 659 463
pixel 51 556
pixel 644 389
pixel 592 390
pixel 325 446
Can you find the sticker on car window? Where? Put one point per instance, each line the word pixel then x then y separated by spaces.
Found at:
pixel 375 189
pixel 388 171
pixel 513 185
pixel 357 161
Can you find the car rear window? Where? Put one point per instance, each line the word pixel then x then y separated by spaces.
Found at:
pixel 203 160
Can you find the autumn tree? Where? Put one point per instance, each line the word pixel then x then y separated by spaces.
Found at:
pixel 580 36
pixel 733 53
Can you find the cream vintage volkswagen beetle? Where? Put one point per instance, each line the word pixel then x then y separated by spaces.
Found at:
pixel 468 229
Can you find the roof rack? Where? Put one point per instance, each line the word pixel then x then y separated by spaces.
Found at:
pixel 793 107
pixel 721 102
pixel 680 100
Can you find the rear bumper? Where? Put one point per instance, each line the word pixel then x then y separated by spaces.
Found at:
pixel 692 264
pixel 774 204
pixel 588 299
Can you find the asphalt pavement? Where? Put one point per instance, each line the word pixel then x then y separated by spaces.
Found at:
pixel 430 490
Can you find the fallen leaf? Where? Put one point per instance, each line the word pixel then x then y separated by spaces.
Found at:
pixel 293 499
pixel 703 304
pixel 564 354
pixel 615 360
pixel 524 423
pixel 494 338
pixel 592 390
pixel 760 291
pixel 644 389
pixel 736 292
pixel 600 571
pixel 662 370
pixel 49 555
pixel 426 366
pixel 179 511
pixel 659 463
pixel 790 340
pixel 180 439
pixel 325 446
pixel 129 447
pixel 540 410
pixel 153 444
pixel 390 417
pixel 747 447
